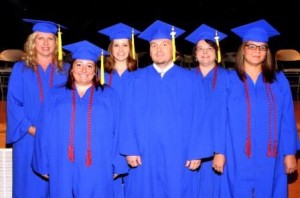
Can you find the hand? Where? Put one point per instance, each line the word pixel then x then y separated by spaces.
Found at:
pixel 290 163
pixel 115 176
pixel 45 176
pixel 134 160
pixel 218 162
pixel 193 164
pixel 31 130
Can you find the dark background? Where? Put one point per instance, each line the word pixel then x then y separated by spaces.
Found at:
pixel 85 17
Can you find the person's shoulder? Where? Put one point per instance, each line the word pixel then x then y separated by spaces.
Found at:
pixel 66 66
pixel 141 72
pixel 180 69
pixel 222 69
pixel 105 94
pixel 144 69
pixel 184 72
pixel 105 91
pixel 18 65
pixel 232 77
pixel 19 68
pixel 65 69
pixel 57 94
pixel 280 75
pixel 224 72
pixel 281 79
pixel 58 91
pixel 232 73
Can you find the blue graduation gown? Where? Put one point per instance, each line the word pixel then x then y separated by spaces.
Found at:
pixel 23 105
pixel 159 123
pixel 214 122
pixel 259 172
pixel 118 83
pixel 50 156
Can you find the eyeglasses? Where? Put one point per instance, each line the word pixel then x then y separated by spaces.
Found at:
pixel 209 49
pixel 254 47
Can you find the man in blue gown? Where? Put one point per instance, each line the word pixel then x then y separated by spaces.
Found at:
pixel 159 130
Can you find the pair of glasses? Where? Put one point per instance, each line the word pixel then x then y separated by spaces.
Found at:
pixel 254 47
pixel 209 49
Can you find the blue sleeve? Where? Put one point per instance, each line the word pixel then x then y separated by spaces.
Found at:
pixel 39 161
pixel 128 140
pixel 200 145
pixel 17 121
pixel 220 115
pixel 119 162
pixel 288 135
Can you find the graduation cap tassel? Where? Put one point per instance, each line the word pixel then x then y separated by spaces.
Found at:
pixel 275 149
pixel 102 68
pixel 248 132
pixel 60 56
pixel 248 147
pixel 269 150
pixel 219 51
pixel 132 43
pixel 173 33
pixel 88 160
pixel 71 153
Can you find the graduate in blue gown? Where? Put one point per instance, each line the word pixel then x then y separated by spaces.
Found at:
pixel 75 146
pixel 29 85
pixel 207 53
pixel 121 62
pixel 122 59
pixel 261 139
pixel 158 130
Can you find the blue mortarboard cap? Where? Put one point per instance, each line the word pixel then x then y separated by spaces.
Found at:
pixel 160 30
pixel 85 50
pixel 258 31
pixel 44 26
pixel 119 31
pixel 205 32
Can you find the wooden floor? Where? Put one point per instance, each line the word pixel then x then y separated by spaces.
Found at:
pixel 294 179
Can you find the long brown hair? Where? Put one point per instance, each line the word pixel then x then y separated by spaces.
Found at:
pixel 268 67
pixel 110 61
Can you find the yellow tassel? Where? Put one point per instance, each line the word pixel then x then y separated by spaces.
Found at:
pixel 132 43
pixel 60 54
pixel 173 33
pixel 219 51
pixel 102 69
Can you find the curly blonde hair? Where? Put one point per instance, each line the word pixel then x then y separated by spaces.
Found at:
pixel 30 53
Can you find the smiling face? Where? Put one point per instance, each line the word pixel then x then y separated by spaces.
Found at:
pixel 161 52
pixel 84 72
pixel 120 49
pixel 205 54
pixel 255 52
pixel 45 44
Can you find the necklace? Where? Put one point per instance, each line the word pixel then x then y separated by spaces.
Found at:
pixel 71 153
pixel 272 113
